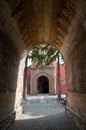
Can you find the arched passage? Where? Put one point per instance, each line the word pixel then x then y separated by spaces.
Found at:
pixel 58 22
pixel 43 84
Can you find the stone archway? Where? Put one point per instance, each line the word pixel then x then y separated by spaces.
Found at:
pixel 43 84
pixel 47 72
pixel 24 24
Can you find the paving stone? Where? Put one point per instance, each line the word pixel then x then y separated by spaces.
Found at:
pixel 44 116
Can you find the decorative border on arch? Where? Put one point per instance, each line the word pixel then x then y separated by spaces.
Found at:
pixel 41 74
pixel 34 79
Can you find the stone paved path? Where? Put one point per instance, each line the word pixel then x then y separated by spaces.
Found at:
pixel 44 116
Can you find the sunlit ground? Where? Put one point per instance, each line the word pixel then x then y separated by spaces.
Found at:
pixel 43 115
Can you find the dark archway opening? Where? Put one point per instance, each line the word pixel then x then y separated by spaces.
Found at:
pixel 43 84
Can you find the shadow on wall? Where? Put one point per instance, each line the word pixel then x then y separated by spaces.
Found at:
pixel 9 63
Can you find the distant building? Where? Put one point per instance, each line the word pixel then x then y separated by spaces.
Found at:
pixel 45 80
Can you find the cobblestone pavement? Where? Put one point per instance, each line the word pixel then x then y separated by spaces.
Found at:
pixel 40 98
pixel 44 116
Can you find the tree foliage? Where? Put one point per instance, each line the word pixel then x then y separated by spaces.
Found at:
pixel 43 55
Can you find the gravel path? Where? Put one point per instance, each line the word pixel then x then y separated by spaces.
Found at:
pixel 44 116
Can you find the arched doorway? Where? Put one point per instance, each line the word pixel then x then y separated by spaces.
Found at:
pixel 43 84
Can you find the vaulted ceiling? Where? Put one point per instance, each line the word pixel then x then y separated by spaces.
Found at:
pixel 43 20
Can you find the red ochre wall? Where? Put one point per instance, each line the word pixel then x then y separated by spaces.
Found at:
pixel 62 76
pixel 63 85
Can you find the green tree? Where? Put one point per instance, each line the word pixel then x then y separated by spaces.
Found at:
pixel 43 55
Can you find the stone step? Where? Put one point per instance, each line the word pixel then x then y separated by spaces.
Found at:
pixel 42 99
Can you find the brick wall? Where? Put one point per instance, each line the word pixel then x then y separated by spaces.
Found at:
pixel 74 50
pixel 10 49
